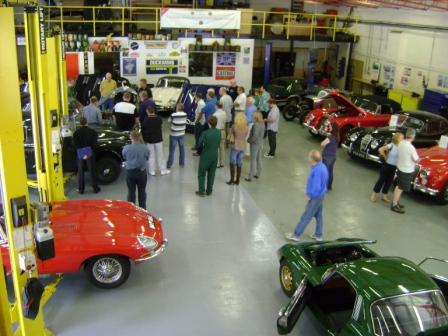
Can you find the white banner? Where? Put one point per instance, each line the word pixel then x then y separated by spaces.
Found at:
pixel 199 19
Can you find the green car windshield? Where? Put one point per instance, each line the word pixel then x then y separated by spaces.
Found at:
pixel 409 314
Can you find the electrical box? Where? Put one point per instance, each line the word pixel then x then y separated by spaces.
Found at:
pixel 27 261
pixel 45 243
pixel 19 211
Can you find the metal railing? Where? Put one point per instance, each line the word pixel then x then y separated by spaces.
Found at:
pixel 267 24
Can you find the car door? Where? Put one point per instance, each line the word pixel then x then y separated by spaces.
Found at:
pixel 289 315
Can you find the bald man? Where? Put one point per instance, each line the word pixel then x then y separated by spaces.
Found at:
pixel 106 87
pixel 316 188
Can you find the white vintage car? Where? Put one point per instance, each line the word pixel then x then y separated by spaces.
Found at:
pixel 167 91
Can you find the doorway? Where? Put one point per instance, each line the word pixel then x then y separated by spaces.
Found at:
pixel 283 64
pixel 107 62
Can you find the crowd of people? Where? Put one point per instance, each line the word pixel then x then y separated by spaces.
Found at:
pixel 228 128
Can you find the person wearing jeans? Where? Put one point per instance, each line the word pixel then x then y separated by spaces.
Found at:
pixel 316 189
pixel 239 132
pixel 136 156
pixel 272 128
pixel 178 123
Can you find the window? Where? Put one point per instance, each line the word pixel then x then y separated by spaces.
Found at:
pixel 409 314
pixel 200 64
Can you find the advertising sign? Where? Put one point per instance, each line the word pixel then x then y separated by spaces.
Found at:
pixel 225 72
pixel 199 18
pixel 129 66
pixel 161 66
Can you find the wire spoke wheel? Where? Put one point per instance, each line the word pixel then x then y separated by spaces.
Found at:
pixel 286 278
pixel 107 270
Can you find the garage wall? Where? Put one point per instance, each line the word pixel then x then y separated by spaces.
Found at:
pixel 416 55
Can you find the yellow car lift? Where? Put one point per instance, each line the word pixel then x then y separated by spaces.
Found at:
pixel 15 191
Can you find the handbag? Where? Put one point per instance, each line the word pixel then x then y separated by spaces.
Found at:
pixel 231 138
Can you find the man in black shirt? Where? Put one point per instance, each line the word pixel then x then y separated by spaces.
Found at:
pixel 85 140
pixel 152 135
pixel 125 114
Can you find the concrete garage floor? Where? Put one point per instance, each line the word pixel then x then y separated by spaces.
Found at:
pixel 218 275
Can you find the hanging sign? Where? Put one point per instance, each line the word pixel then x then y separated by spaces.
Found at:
pixel 161 66
pixel 225 72
pixel 199 18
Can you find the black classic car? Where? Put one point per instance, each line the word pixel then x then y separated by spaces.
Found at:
pixel 107 154
pixel 284 89
pixel 365 142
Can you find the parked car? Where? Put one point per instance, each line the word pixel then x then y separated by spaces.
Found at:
pixel 432 178
pixel 365 111
pixel 167 92
pixel 286 88
pixel 354 291
pixel 365 142
pixel 108 153
pixel 187 99
pixel 101 237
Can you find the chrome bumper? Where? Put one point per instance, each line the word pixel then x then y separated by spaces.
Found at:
pixel 369 157
pixel 426 190
pixel 311 128
pixel 155 253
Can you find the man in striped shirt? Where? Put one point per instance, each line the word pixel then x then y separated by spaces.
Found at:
pixel 178 122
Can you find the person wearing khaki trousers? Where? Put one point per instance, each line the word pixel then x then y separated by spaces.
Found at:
pixel 255 141
pixel 221 116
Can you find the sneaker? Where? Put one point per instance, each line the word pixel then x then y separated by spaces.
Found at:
pixel 293 237
pixel 248 179
pixel 397 209
pixel 256 176
pixel 316 238
pixel 166 172
pixel 268 156
pixel 153 173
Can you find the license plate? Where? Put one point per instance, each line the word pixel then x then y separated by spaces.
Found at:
pixel 358 154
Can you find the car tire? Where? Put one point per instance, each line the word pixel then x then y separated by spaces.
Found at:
pixel 286 278
pixel 107 170
pixel 290 111
pixel 108 271
pixel 343 133
pixel 442 197
pixel 304 110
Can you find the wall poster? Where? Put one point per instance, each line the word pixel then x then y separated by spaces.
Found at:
pixel 161 66
pixel 225 73
pixel 226 59
pixel 129 66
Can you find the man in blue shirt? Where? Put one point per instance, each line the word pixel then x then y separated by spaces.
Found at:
pixel 316 188
pixel 250 109
pixel 210 106
pixel 145 102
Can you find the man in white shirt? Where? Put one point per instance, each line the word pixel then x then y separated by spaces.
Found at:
pixel 125 114
pixel 407 159
pixel 227 103
pixel 199 119
pixel 240 101
pixel 221 116
pixel 272 128
pixel 178 122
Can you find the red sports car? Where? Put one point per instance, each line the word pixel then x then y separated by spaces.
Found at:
pixel 366 111
pixel 432 178
pixel 100 236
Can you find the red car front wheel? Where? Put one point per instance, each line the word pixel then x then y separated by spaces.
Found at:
pixel 108 271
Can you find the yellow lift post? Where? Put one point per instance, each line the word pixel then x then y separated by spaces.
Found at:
pixel 48 103
pixel 15 191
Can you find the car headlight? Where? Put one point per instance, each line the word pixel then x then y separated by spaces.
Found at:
pixel 354 136
pixel 374 144
pixel 151 223
pixel 148 243
pixel 311 117
pixel 424 174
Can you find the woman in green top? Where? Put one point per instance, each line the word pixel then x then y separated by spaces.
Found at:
pixel 208 143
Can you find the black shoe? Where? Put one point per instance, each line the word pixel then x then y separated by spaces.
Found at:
pixel 209 193
pixel 248 179
pixel 230 182
pixel 97 190
pixel 256 176
pixel 200 194
pixel 397 209
pixel 80 191
pixel 401 206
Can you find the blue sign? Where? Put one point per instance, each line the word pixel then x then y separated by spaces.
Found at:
pixel 129 66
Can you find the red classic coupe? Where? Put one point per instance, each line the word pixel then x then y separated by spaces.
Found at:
pixel 366 111
pixel 100 236
pixel 432 178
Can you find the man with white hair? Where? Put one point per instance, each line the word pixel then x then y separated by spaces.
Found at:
pixel 316 188
pixel 106 87
pixel 407 159
pixel 227 103
pixel 240 101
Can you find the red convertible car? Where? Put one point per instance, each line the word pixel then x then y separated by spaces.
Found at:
pixel 100 236
pixel 432 178
pixel 366 111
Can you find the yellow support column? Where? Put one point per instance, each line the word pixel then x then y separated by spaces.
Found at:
pixel 62 74
pixel 13 181
pixel 44 85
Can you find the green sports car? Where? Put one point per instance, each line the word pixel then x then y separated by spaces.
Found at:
pixel 355 292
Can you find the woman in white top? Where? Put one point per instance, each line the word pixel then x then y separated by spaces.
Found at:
pixel 389 153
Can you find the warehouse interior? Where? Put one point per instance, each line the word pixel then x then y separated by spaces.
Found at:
pixel 84 254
